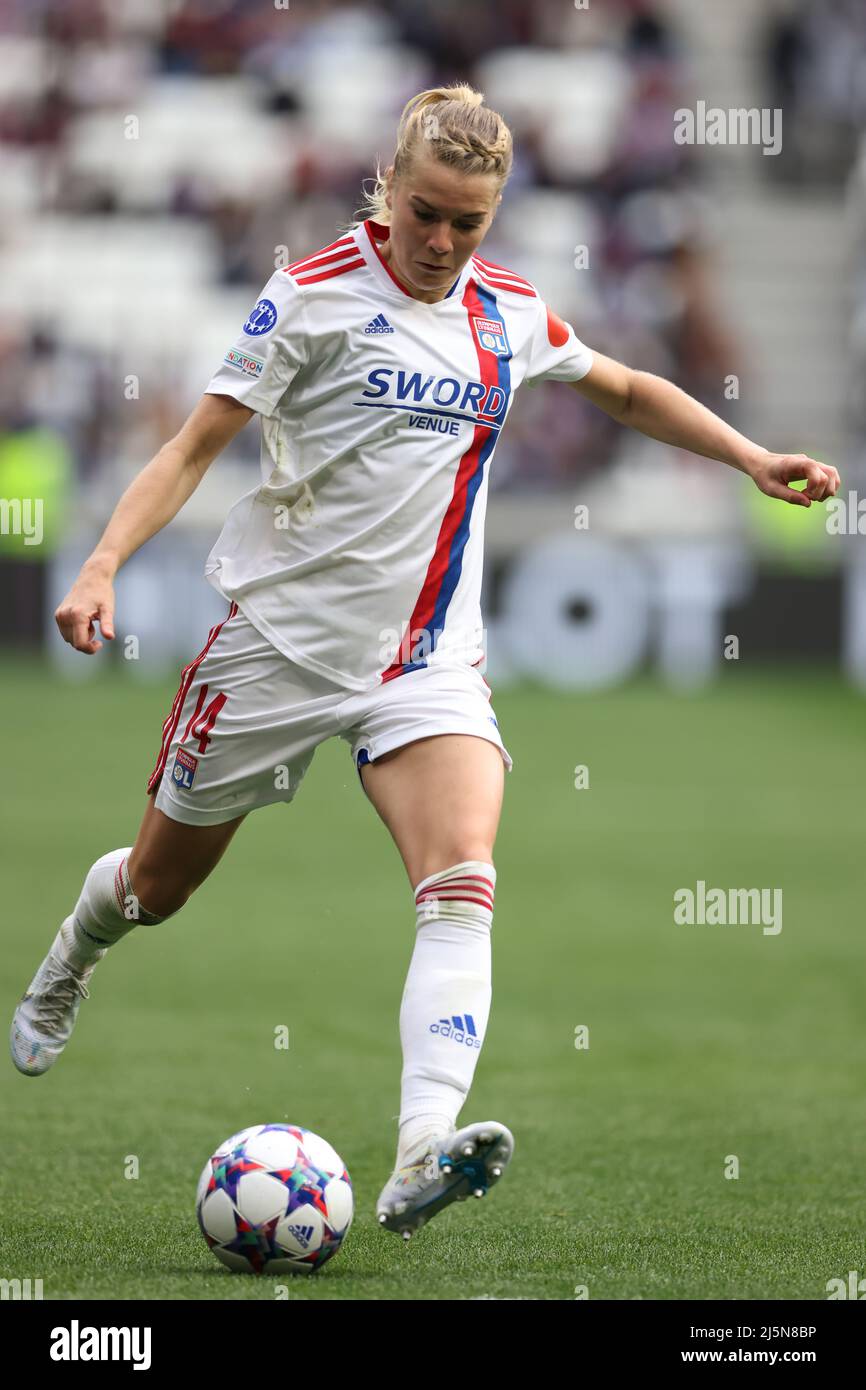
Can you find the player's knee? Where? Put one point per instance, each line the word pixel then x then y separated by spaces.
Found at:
pixel 159 893
pixel 458 851
pixel 462 893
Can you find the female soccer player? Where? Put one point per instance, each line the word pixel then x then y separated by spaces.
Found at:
pixel 383 367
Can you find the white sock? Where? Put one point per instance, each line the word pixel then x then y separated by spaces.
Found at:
pixel 446 1002
pixel 106 910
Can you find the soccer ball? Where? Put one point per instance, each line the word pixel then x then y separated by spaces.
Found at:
pixel 275 1199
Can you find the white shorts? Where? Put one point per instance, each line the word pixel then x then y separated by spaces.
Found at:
pixel 246 722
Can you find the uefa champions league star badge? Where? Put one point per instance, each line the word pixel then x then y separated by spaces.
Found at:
pixel 262 319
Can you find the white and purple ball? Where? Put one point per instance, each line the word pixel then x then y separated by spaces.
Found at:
pixel 275 1199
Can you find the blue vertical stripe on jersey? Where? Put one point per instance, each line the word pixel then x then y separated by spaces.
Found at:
pixel 461 535
pixel 482 303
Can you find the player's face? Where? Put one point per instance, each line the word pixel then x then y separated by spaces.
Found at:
pixel 438 218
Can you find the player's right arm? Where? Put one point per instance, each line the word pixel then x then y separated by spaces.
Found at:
pixel 150 502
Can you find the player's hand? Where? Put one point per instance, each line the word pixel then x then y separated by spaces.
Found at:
pixel 773 472
pixel 90 599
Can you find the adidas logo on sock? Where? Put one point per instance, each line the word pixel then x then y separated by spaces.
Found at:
pixel 460 1030
pixel 379 325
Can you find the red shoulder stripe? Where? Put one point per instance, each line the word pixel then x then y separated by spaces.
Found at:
pixel 335 246
pixel 320 262
pixel 330 274
pixel 498 284
pixel 503 272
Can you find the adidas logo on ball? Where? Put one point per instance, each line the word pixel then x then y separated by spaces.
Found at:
pixel 460 1030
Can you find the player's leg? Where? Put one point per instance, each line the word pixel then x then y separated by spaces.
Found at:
pixel 108 906
pixel 146 883
pixel 241 733
pixel 170 859
pixel 126 888
pixel 441 798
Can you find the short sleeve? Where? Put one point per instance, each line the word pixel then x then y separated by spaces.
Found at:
pixel 556 353
pixel 271 348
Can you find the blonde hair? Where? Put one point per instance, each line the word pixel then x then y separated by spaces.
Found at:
pixel 458 129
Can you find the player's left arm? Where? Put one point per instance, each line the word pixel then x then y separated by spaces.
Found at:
pixel 661 410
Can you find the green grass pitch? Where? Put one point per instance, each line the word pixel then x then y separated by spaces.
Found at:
pixel 705 1041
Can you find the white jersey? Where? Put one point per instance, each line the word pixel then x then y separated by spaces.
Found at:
pixel 360 555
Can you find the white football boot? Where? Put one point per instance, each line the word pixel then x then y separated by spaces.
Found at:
pixel 459 1165
pixel 45 1017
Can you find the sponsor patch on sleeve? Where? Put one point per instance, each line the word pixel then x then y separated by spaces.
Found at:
pixel 244 362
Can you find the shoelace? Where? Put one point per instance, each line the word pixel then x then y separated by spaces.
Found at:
pixel 58 997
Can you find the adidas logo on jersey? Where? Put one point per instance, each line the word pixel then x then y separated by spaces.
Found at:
pixel 462 1030
pixel 379 325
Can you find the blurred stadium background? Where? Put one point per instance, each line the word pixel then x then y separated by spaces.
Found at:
pixel 130 252
pixel 126 265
